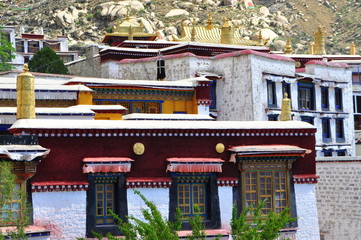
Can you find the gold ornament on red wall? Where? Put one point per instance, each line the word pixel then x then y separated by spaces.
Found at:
pixel 220 147
pixel 138 148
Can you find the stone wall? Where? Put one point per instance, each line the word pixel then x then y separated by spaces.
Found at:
pixel 338 198
pixel 63 213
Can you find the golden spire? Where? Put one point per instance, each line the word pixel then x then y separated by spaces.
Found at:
pixel 320 41
pixel 352 49
pixel 210 22
pixel 260 40
pixel 227 32
pixel 130 32
pixel 310 48
pixel 193 33
pixel 288 47
pixel 127 17
pixel 286 108
pixel 25 95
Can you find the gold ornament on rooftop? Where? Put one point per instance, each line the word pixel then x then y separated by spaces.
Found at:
pixel 320 41
pixel 352 49
pixel 286 108
pixel 288 47
pixel 220 148
pixel 25 95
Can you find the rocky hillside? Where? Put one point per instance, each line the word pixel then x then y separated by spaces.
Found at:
pixel 86 21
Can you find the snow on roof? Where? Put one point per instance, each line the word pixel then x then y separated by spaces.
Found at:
pixel 263 149
pixel 147 116
pixel 188 83
pixel 65 88
pixel 99 107
pixel 129 124
pixel 49 111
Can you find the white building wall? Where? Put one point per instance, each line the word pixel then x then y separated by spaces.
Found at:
pixel 308 228
pixel 63 213
pixel 160 197
pixel 226 205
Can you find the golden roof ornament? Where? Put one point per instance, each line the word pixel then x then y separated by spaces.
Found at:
pixel 130 32
pixel 286 108
pixel 352 49
pixel 320 41
pixel 288 47
pixel 210 22
pixel 193 33
pixel 260 39
pixel 25 89
pixel 310 48
pixel 227 32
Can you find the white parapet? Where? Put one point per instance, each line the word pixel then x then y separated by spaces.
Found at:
pixel 308 227
pixel 63 213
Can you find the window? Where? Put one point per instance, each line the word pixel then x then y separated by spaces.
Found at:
pixel 268 184
pixel 26 59
pixel 19 46
pixel 190 196
pixel 327 153
pixel 306 96
pixel 326 130
pixel 338 99
pixel 273 117
pixel 324 98
pixel 308 119
pixel 340 134
pixel 286 88
pixel 341 153
pixel 191 190
pixel 12 210
pixel 33 46
pixel 104 203
pixel 213 106
pixel 271 94
pixel 106 192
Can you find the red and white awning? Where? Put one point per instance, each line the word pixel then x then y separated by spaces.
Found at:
pixel 107 165
pixel 194 164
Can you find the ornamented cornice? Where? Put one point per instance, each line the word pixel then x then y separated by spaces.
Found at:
pixel 148 183
pixel 227 182
pixel 305 179
pixel 59 187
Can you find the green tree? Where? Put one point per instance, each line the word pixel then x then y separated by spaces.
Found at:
pixel 8 192
pixel 46 61
pixel 252 224
pixel 6 52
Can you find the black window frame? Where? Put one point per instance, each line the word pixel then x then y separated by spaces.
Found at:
pixel 302 88
pixel 327 152
pixel 271 94
pixel 286 88
pixel 340 130
pixel 341 153
pixel 326 130
pixel 338 99
pixel 325 102
pixel 120 201
pixel 272 117
pixel 213 220
pixel 308 119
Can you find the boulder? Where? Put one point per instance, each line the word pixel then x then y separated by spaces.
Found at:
pixel 264 11
pixel 267 34
pixel 177 12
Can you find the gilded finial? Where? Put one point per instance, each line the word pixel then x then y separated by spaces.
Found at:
pixel 310 48
pixel 210 22
pixel 130 32
pixel 286 114
pixel 320 41
pixel 26 68
pixel 352 49
pixel 127 17
pixel 193 33
pixel 260 39
pixel 288 47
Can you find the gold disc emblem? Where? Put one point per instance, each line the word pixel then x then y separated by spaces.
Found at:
pixel 138 148
pixel 220 148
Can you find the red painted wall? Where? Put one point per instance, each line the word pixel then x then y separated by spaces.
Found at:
pixel 64 163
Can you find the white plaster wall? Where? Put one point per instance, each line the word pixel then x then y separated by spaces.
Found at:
pixel 226 205
pixel 338 199
pixel 110 69
pixel 308 228
pixel 160 197
pixel 203 109
pixel 63 213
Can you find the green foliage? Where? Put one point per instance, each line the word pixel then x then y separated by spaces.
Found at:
pixel 196 223
pixel 46 61
pixel 90 16
pixel 6 53
pixel 253 225
pixel 7 192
